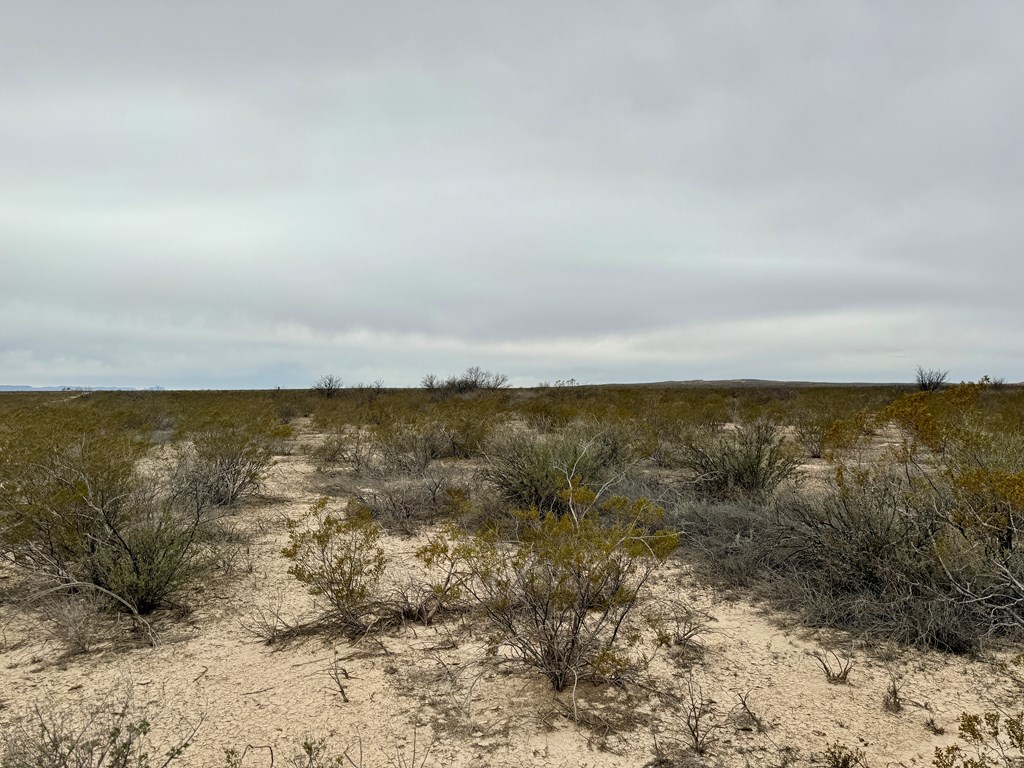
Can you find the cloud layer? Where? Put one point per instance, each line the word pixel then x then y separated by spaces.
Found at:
pixel 253 193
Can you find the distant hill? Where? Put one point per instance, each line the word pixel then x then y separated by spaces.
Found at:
pixel 755 383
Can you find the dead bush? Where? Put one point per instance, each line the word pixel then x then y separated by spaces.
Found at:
pixel 407 504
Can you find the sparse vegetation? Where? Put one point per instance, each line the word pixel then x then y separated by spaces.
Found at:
pixel 990 740
pixel 533 526
pixel 223 455
pixel 114 732
pixel 561 594
pixel 836 668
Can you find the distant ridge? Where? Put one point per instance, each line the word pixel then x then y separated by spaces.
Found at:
pixel 755 383
pixel 765 383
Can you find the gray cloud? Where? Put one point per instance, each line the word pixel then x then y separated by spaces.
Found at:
pixel 249 194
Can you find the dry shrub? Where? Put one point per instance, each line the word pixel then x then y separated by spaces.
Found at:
pixel 114 732
pixel 224 455
pixel 407 504
pixel 562 596
pixel 79 622
pixel 530 470
pixel 753 459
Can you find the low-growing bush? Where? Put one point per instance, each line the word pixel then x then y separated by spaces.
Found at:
pixel 77 509
pixel 223 455
pixel 872 554
pixel 992 740
pixel 333 451
pixel 406 504
pixel 562 596
pixel 111 733
pixel 401 446
pixel 338 557
pixel 752 459
pixel 529 470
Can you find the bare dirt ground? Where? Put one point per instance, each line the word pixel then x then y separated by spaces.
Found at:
pixel 436 686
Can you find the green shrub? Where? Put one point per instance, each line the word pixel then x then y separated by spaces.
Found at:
pixel 561 596
pixel 77 509
pixel 334 450
pixel 339 559
pixel 840 756
pixel 752 459
pixel 996 741
pixel 529 470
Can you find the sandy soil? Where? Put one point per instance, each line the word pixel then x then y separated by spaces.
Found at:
pixel 436 685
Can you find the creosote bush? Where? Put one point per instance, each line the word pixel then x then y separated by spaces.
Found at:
pixel 752 459
pixel 562 595
pixel 338 557
pixel 992 740
pixel 223 455
pixel 76 508
pixel 531 470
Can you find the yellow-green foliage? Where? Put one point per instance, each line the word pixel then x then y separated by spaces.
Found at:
pixel 977 454
pixel 75 507
pixel 994 741
pixel 338 558
pixel 61 473
pixel 561 595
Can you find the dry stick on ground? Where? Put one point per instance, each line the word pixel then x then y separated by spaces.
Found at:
pixel 415 759
pixel 748 711
pixel 338 674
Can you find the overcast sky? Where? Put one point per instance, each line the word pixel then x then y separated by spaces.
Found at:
pixel 253 193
